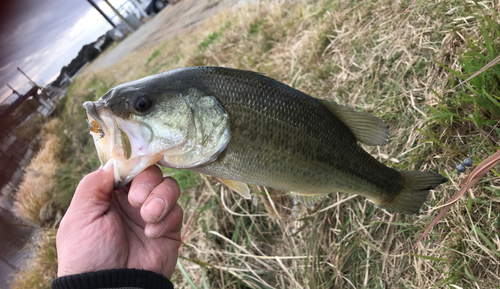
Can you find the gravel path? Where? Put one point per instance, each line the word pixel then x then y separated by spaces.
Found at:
pixel 171 21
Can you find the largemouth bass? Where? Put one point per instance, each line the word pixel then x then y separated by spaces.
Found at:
pixel 245 128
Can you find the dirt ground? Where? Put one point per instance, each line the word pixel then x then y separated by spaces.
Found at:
pixel 171 21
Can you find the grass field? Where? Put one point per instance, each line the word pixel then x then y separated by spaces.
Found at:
pixel 376 56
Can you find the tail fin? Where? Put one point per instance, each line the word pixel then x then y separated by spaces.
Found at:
pixel 415 191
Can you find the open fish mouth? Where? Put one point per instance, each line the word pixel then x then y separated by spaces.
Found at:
pixel 124 142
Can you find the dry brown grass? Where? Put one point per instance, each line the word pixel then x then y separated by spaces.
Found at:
pixel 360 57
pixel 34 192
pixel 39 271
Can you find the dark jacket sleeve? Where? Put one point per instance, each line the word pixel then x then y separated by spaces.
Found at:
pixel 115 278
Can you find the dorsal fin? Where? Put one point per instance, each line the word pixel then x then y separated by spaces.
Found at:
pixel 367 128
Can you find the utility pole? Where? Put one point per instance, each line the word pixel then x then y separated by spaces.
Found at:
pixel 33 83
pixel 30 80
pixel 105 16
pixel 13 90
pixel 125 21
pixel 35 96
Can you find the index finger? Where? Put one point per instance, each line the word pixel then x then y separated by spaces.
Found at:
pixel 93 193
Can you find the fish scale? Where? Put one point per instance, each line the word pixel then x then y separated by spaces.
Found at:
pixel 315 157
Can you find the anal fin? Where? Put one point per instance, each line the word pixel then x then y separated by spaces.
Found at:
pixel 308 200
pixel 239 187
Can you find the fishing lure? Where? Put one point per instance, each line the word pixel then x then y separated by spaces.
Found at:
pixel 94 127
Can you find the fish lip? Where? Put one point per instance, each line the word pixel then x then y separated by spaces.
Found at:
pixel 92 112
pixel 91 109
pixel 94 108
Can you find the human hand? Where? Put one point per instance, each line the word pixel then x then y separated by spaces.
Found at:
pixel 113 229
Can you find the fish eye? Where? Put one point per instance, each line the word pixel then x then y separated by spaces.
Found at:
pixel 141 103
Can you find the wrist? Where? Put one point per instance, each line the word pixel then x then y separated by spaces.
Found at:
pixel 113 278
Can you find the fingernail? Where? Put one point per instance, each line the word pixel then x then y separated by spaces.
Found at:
pixel 156 207
pixel 140 193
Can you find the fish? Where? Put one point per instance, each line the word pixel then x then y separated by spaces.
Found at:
pixel 242 128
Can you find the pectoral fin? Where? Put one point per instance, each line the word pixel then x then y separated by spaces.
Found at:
pixel 239 187
pixel 308 200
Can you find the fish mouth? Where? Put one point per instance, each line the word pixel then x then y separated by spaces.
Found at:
pixel 124 142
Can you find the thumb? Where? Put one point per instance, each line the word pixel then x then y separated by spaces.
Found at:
pixel 94 190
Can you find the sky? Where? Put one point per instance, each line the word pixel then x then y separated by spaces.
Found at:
pixel 42 36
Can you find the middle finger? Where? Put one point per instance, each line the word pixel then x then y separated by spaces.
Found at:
pixel 160 201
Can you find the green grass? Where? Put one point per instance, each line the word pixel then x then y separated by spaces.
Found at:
pixel 484 90
pixel 474 106
pixel 185 178
pixel 156 53
pixel 212 38
pixel 255 28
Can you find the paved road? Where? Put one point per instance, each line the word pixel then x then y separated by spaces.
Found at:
pixel 171 21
